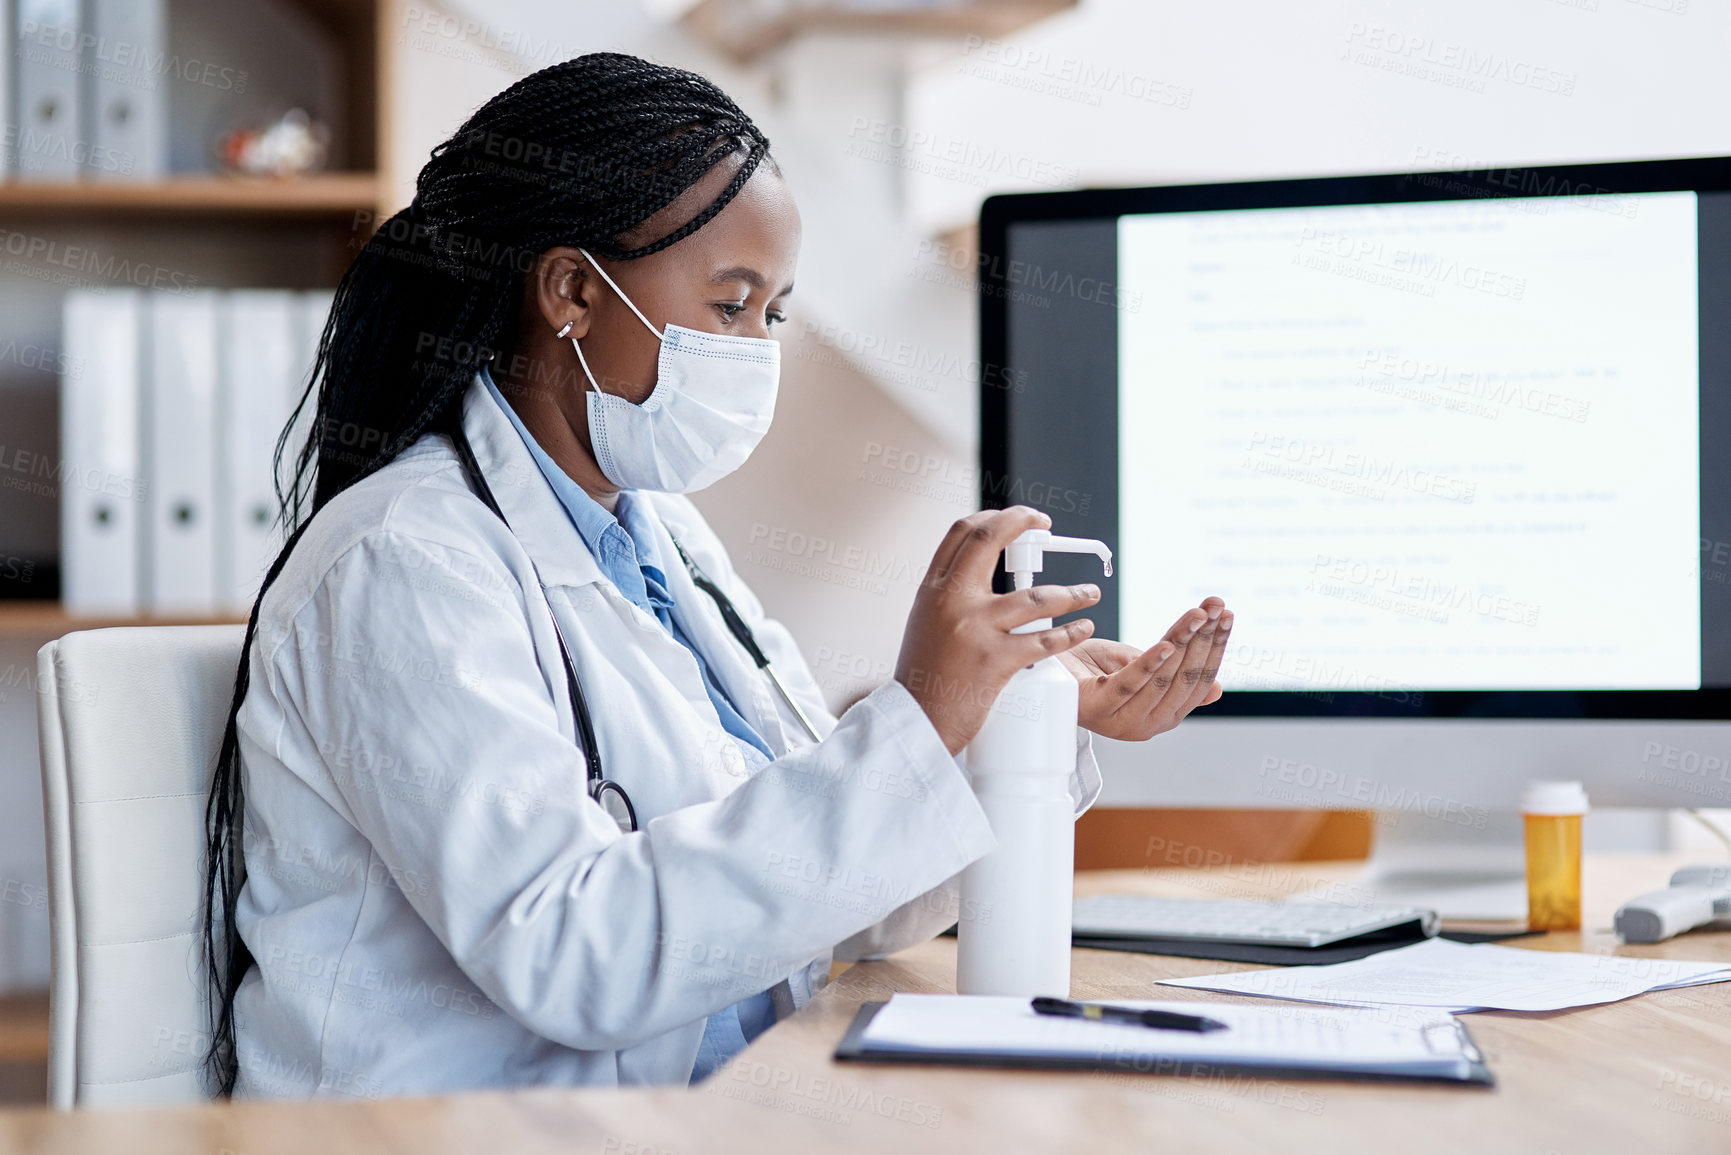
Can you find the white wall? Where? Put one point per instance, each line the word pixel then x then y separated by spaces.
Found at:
pixel 1133 92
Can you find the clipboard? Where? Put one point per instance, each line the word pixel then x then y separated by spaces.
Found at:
pixel 853 1048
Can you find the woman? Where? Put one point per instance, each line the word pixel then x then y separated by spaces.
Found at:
pixel 503 799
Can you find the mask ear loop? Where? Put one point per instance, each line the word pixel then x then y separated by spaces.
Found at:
pixel 622 296
pixel 583 361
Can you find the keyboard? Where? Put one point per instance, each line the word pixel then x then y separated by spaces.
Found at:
pixel 1225 920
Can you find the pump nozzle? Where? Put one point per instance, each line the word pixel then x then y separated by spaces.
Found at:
pixel 1025 557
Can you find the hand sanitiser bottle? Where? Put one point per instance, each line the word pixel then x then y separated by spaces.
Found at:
pixel 1013 936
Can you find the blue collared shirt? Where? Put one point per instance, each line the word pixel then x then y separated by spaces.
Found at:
pixel 625 550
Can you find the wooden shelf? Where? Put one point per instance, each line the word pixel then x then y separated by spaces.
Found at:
pixel 50 620
pixel 23 1026
pixel 744 29
pixel 321 194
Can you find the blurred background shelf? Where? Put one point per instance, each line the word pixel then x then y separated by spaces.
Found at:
pixel 24 1048
pixel 192 228
pixel 745 29
pixel 318 194
pixel 49 619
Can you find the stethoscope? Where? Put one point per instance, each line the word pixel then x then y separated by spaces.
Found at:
pixel 607 793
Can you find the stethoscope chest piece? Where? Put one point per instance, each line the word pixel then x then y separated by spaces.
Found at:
pixel 612 798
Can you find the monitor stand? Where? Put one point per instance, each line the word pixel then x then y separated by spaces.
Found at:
pixel 1461 871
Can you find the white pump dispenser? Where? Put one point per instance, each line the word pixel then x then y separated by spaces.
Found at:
pixel 1013 936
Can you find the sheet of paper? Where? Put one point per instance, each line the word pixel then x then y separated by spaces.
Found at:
pixel 1439 973
pixel 1399 1037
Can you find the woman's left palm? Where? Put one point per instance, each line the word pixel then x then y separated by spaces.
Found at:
pixel 1134 695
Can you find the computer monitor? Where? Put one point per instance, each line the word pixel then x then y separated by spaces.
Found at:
pixel 1455 447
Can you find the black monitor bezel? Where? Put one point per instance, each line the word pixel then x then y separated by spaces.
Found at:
pixel 999 212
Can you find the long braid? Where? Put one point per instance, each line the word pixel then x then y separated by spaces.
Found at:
pixel 581 153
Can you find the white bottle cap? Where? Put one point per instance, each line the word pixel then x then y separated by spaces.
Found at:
pixel 1551 797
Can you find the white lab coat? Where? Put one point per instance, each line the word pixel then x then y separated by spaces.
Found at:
pixel 434 902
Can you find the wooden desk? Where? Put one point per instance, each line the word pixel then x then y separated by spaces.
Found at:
pixel 1652 1074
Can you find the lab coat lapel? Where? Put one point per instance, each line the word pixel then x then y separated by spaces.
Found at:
pixel 531 507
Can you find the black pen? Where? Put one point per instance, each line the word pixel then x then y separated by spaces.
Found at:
pixel 1163 1020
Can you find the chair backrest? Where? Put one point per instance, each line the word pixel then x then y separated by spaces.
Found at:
pixel 131 722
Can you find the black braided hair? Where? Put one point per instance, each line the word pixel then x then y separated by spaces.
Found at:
pixel 581 153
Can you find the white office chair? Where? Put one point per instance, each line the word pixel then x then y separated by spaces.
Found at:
pixel 131 721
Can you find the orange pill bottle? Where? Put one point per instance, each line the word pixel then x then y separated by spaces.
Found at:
pixel 1553 812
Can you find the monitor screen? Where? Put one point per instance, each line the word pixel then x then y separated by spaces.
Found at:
pixel 1446 443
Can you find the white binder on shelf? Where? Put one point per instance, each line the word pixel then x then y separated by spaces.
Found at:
pixel 102 495
pixel 311 309
pixel 48 145
pixel 8 69
pixel 126 98
pixel 260 358
pixel 179 455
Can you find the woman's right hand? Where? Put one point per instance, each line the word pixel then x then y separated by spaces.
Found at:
pixel 957 651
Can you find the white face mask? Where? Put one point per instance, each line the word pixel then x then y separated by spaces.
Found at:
pixel 713 400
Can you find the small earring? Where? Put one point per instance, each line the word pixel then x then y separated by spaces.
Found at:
pixel 566 329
